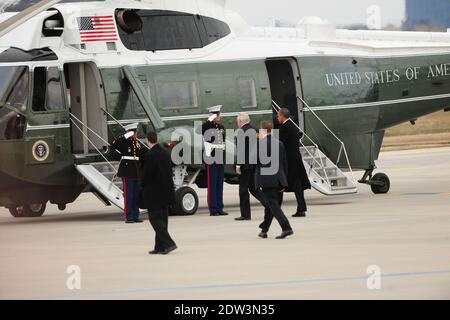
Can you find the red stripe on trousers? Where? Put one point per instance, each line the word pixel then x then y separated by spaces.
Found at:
pixel 209 187
pixel 124 181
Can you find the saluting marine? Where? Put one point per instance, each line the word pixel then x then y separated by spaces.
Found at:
pixel 214 141
pixel 130 170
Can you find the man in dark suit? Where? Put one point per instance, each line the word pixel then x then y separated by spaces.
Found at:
pixel 158 193
pixel 130 170
pixel 270 175
pixel 298 180
pixel 246 138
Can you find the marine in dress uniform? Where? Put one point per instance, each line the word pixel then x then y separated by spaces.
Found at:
pixel 215 169
pixel 130 170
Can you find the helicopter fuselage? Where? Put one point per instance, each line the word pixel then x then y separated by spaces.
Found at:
pixel 58 120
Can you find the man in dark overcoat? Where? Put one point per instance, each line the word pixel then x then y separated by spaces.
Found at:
pixel 298 180
pixel 158 193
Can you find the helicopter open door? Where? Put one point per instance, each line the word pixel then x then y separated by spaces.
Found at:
pixel 89 128
pixel 285 86
pixel 143 97
pixel 324 174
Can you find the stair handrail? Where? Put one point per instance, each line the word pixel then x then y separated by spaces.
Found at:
pixel 92 131
pixel 277 108
pixel 90 141
pixel 342 149
pixel 123 127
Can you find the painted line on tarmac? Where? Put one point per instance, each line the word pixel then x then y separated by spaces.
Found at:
pixel 131 229
pixel 249 285
pixel 408 194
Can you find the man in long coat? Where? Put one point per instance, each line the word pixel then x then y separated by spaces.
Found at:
pixel 298 180
pixel 158 193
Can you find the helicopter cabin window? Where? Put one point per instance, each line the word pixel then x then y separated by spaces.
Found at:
pixel 13 101
pixel 47 90
pixel 171 32
pixel 247 93
pixel 180 94
pixel 155 30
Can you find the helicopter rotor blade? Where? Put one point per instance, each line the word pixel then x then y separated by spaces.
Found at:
pixel 21 17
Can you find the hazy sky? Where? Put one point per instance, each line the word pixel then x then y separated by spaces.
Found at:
pixel 339 12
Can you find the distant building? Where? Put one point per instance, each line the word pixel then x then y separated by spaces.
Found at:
pixel 277 23
pixel 429 13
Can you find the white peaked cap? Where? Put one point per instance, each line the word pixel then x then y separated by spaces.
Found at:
pixel 131 127
pixel 215 109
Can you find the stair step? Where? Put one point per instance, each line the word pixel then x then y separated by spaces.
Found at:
pixel 308 147
pixel 331 171
pixel 343 188
pixel 104 164
pixel 336 178
pixel 109 173
pixel 315 158
pixel 307 152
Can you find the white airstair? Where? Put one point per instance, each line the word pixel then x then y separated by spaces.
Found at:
pixel 102 176
pixel 324 174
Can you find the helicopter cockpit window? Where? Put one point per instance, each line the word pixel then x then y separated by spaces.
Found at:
pixel 13 101
pixel 47 90
pixel 155 30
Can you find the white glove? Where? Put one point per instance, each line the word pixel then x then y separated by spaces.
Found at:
pixel 212 117
pixel 128 135
pixel 208 149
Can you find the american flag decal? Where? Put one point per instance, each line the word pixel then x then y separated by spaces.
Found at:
pixel 98 28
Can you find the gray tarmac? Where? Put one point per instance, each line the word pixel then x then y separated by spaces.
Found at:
pixel 405 235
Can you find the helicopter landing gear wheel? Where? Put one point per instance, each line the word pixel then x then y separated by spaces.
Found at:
pixel 17 212
pixel 28 211
pixel 381 184
pixel 186 202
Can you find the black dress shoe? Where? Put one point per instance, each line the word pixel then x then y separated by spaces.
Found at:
pixel 243 219
pixel 138 221
pixel 129 221
pixel 169 250
pixel 263 235
pixel 214 214
pixel 223 213
pixel 285 234
pixel 155 252
pixel 299 215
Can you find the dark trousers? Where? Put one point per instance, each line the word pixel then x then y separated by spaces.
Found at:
pixel 159 219
pixel 274 210
pixel 216 176
pixel 301 202
pixel 246 185
pixel 131 193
